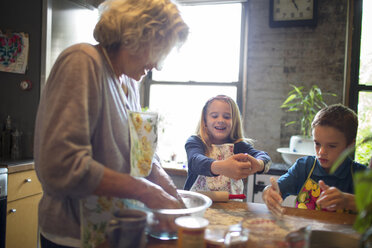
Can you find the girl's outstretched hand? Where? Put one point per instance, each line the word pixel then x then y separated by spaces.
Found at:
pixel 272 198
pixel 238 166
pixel 256 165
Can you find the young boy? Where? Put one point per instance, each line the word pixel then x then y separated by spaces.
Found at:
pixel 334 129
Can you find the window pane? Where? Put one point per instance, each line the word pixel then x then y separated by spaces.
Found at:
pixel 365 71
pixel 179 109
pixel 363 153
pixel 211 53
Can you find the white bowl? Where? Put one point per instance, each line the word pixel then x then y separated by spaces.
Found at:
pixel 301 144
pixel 291 157
pixel 160 222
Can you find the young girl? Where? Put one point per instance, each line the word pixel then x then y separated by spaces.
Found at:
pixel 334 129
pixel 219 156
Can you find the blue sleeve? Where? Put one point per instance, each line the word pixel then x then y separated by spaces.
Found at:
pixel 197 162
pixel 291 182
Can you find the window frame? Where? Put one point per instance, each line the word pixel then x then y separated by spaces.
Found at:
pixel 354 87
pixel 148 81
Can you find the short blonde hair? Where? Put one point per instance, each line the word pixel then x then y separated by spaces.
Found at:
pixel 138 25
pixel 236 134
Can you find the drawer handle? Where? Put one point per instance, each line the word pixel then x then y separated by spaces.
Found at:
pixel 28 180
pixel 12 210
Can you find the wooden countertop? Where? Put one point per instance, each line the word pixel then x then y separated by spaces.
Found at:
pixel 175 169
pixel 270 234
pixel 17 166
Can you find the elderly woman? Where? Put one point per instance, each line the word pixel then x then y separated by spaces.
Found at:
pixel 82 141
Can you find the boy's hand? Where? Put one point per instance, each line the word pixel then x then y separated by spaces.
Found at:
pixel 272 198
pixel 331 198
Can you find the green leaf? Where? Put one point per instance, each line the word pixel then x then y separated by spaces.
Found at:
pixel 289 99
pixel 307 103
pixel 348 151
pixel 363 200
pixel 290 123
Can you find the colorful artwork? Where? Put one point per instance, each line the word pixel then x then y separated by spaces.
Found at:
pixel 13 52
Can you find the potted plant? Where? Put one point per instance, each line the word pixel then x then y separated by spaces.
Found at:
pixel 363 195
pixel 308 104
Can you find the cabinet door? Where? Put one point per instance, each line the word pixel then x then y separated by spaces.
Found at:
pixel 22 222
pixel 23 184
pixel 264 179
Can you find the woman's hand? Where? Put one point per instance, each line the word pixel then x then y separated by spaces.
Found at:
pixel 237 167
pixel 332 198
pixel 272 198
pixel 153 196
pixel 161 178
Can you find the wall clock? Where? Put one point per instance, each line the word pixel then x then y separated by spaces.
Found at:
pixel 292 13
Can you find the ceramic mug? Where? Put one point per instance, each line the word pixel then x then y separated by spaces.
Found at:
pixel 127 229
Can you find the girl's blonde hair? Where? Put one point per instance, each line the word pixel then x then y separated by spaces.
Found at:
pixel 236 134
pixel 138 25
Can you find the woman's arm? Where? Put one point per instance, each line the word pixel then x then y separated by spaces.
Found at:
pixel 161 178
pixel 122 185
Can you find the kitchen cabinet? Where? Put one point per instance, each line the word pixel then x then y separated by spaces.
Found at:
pixel 262 180
pixel 24 194
pixel 177 172
pixel 257 183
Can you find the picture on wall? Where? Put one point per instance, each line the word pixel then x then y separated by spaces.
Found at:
pixel 14 52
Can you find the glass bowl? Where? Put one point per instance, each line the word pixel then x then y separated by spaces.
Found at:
pixel 160 222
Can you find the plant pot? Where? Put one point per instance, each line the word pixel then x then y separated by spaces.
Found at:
pixel 302 144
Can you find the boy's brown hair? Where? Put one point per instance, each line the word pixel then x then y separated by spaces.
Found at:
pixel 340 117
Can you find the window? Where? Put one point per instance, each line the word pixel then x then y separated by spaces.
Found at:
pixel 361 84
pixel 208 64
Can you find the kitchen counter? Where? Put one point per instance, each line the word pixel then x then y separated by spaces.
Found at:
pixel 18 166
pixel 264 230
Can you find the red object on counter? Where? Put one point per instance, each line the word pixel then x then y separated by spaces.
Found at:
pixel 221 196
pixel 239 196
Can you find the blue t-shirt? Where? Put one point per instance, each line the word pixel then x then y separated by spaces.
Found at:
pixel 292 182
pixel 199 164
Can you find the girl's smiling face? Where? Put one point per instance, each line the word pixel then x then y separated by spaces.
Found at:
pixel 219 121
pixel 329 143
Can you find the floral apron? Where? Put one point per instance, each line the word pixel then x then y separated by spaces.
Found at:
pixel 96 211
pixel 219 183
pixel 310 192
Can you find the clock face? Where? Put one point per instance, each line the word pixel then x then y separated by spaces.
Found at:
pixel 286 10
pixel 293 13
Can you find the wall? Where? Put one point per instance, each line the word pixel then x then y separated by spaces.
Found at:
pixel 278 57
pixel 22 16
